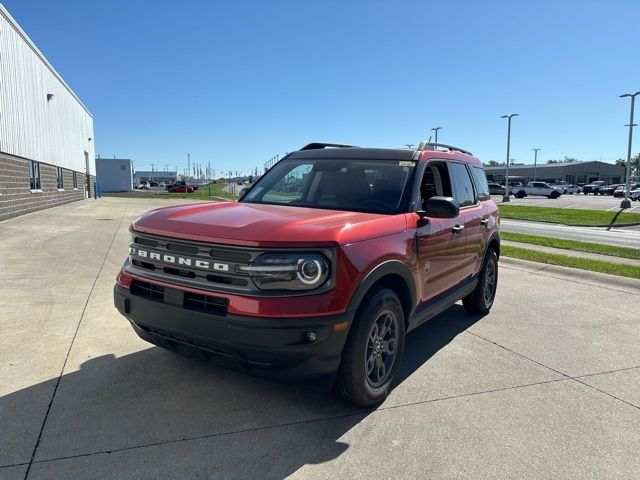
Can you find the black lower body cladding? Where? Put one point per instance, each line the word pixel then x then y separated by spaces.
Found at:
pixel 283 349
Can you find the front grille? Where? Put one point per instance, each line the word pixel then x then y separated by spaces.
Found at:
pixel 147 290
pixel 224 262
pixel 191 301
pixel 205 303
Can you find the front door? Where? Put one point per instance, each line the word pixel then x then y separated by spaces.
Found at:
pixel 442 258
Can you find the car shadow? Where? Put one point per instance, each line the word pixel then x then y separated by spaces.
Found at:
pixel 198 418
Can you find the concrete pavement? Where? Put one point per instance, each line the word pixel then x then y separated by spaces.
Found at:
pixel 543 387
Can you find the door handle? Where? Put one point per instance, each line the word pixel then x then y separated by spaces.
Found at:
pixel 484 222
pixel 457 229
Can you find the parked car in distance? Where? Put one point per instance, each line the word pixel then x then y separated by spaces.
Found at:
pixel 325 281
pixel 609 189
pixel 619 191
pixel 180 187
pixel 635 194
pixel 144 186
pixel 537 188
pixel 496 189
pixel 594 187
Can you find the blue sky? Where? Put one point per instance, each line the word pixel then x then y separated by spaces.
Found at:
pixel 237 82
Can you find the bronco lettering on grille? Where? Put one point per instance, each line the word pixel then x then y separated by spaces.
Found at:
pixel 176 260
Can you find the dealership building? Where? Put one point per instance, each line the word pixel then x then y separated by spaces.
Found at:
pixel 155 176
pixel 572 172
pixel 46 133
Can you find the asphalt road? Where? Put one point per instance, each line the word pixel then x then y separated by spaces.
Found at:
pixel 535 389
pixel 623 237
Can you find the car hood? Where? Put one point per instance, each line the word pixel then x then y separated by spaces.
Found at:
pixel 266 225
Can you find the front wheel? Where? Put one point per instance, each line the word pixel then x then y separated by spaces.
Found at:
pixel 481 299
pixel 373 351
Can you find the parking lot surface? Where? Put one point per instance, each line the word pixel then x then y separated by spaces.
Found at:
pixel 575 201
pixel 545 386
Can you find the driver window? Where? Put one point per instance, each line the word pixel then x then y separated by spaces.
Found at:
pixel 435 183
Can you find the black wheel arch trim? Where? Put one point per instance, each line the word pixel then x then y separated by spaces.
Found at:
pixel 388 267
pixel 495 236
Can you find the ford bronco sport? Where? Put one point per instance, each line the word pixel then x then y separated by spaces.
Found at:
pixel 321 267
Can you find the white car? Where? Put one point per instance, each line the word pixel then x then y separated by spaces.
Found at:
pixel 537 188
pixel 635 195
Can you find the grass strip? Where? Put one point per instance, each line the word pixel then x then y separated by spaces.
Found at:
pixel 567 216
pixel 574 262
pixel 589 247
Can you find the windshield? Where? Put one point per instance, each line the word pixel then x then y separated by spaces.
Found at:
pixel 376 186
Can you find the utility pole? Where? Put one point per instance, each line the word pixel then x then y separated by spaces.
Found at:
pixel 435 129
pixel 189 163
pixel 506 198
pixel 626 203
pixel 535 162
pixel 408 145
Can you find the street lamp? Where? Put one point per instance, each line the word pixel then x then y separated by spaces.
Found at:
pixel 505 198
pixel 435 129
pixel 626 203
pixel 408 145
pixel 535 162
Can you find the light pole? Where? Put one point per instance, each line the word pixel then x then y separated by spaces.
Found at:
pixel 505 198
pixel 188 164
pixel 435 129
pixel 408 145
pixel 626 203
pixel 535 162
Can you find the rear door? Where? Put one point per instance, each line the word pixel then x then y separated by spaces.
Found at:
pixel 471 216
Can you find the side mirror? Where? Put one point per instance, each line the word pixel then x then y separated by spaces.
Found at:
pixel 441 207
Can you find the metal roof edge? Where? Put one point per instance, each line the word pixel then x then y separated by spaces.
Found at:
pixel 32 45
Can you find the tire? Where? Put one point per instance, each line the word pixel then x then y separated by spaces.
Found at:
pixel 520 194
pixel 365 377
pixel 481 299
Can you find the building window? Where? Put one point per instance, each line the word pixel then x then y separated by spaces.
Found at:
pixel 75 180
pixel 59 178
pixel 34 175
pixel 123 167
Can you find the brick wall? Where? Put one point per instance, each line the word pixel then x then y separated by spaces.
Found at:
pixel 16 197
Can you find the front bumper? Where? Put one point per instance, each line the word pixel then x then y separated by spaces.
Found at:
pixel 276 348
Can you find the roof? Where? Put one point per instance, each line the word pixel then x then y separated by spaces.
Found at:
pixel 357 152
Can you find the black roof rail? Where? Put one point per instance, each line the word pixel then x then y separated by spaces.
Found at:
pixel 434 146
pixel 321 145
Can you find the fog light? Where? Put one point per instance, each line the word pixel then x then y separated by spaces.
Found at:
pixel 311 336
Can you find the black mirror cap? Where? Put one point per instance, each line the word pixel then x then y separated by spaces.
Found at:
pixel 442 207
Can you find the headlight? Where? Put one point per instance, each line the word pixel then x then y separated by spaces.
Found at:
pixel 288 271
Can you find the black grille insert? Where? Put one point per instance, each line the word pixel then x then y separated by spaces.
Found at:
pixel 205 303
pixel 147 290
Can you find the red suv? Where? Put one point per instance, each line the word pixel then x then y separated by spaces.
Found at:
pixel 321 267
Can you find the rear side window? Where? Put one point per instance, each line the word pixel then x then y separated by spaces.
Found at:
pixel 480 180
pixel 462 187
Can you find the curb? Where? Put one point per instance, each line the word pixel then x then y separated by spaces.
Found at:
pixel 574 274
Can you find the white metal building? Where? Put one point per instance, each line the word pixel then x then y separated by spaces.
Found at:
pixel 46 133
pixel 114 174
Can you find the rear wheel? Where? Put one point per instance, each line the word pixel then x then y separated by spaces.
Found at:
pixel 373 351
pixel 481 299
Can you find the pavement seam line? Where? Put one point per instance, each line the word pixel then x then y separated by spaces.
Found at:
pixel 289 424
pixel 575 379
pixel 75 333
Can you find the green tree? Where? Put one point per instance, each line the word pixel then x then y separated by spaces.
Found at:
pixel 621 162
pixel 491 163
